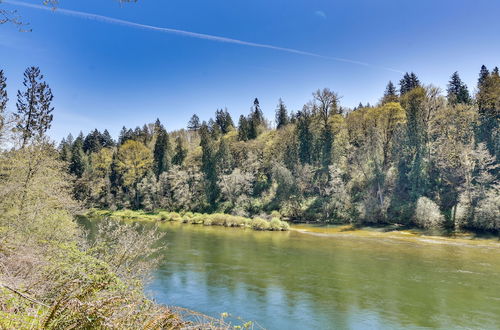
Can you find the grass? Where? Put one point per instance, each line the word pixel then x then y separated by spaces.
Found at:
pixel 215 219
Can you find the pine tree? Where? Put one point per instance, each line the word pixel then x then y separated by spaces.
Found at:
pixel 410 81
pixel 223 158
pixel 107 140
pixel 255 121
pixel 34 106
pixel 390 94
pixel 209 165
pixel 243 128
pixel 78 162
pixel 161 152
pixel 3 101
pixel 224 121
pixel 180 152
pixel 281 115
pixel 194 123
pixel 305 136
pixel 457 90
pixel 483 75
pixel 92 142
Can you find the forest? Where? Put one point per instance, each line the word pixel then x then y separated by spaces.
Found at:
pixel 419 157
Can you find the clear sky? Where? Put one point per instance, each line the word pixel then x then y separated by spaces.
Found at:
pixel 107 73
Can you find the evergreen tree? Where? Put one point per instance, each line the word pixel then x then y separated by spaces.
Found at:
pixel 390 94
pixel 107 140
pixel 3 101
pixel 305 136
pixel 34 110
pixel 281 115
pixel 65 148
pixel 194 123
pixel 180 152
pixel 483 75
pixel 410 81
pixel 243 128
pixel 223 158
pixel 209 165
pixel 457 90
pixel 161 152
pixel 224 121
pixel 255 121
pixel 78 162
pixel 92 142
pixel 496 72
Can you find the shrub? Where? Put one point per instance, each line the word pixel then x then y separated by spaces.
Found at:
pixel 427 214
pixel 488 212
pixel 260 224
pixel 174 216
pixel 275 224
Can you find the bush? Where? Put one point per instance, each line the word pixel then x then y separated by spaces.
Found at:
pixel 427 214
pixel 260 224
pixel 488 212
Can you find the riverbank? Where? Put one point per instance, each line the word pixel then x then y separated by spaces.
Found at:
pixel 391 232
pixel 215 219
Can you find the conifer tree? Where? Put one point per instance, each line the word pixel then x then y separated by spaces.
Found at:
pixel 180 152
pixel 224 121
pixel 483 75
pixel 305 136
pixel 457 91
pixel 78 162
pixel 255 120
pixel 107 140
pixel 209 165
pixel 34 110
pixel 243 128
pixel 390 94
pixel 281 115
pixel 3 100
pixel 194 123
pixel 410 81
pixel 161 152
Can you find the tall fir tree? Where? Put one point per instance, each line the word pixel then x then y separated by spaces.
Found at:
pixel 209 165
pixel 282 118
pixel 180 152
pixel 34 109
pixel 3 100
pixel 483 75
pixel 409 82
pixel 194 123
pixel 457 90
pixel 107 140
pixel 78 162
pixel 304 136
pixel 224 121
pixel 390 94
pixel 255 120
pixel 243 128
pixel 161 152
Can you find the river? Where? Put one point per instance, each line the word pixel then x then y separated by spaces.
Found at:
pixel 294 280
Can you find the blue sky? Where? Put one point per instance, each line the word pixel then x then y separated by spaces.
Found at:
pixel 106 75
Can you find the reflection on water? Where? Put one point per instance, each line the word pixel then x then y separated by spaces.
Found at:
pixel 289 280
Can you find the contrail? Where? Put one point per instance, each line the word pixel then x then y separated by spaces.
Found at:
pixel 116 21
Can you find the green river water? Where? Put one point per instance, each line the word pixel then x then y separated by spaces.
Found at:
pixel 293 280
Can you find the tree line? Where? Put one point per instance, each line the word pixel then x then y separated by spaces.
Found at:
pixel 417 157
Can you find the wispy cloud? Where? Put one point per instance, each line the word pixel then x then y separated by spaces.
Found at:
pixel 116 21
pixel 320 13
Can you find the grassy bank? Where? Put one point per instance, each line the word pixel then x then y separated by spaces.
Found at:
pixel 215 219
